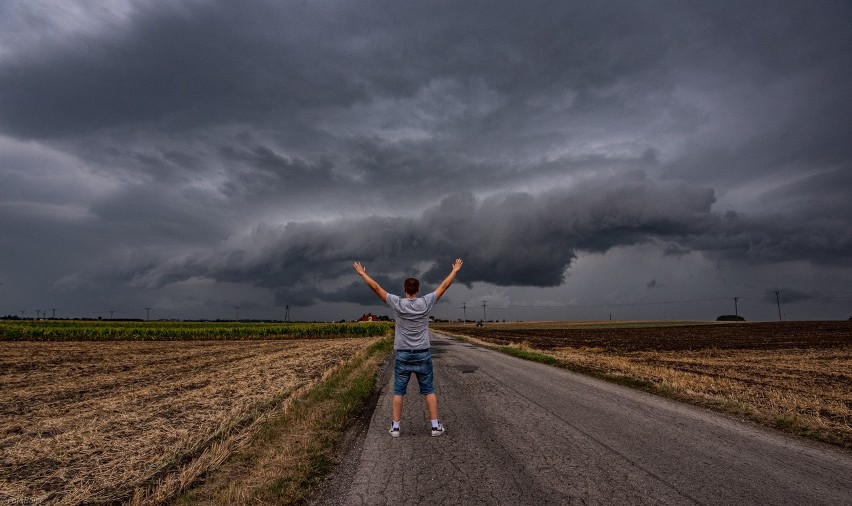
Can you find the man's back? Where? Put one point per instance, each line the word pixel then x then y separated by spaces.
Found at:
pixel 412 320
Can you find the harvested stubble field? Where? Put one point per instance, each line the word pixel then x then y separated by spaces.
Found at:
pixel 796 376
pixel 102 421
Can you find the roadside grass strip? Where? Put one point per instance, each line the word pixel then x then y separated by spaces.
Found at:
pixel 528 354
pixel 291 451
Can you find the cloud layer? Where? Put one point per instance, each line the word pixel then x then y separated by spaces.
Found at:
pixel 147 146
pixel 514 239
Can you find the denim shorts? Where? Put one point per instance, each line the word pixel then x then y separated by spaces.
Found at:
pixel 419 363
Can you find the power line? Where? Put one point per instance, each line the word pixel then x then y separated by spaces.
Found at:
pixel 836 297
pixel 616 304
pixel 815 295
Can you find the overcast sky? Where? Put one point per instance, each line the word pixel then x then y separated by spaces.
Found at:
pixel 632 159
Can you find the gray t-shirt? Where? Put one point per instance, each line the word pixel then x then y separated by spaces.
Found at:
pixel 412 320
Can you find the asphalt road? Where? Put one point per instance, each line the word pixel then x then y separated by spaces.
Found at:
pixel 524 433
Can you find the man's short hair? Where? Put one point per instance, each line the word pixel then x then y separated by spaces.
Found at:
pixel 411 286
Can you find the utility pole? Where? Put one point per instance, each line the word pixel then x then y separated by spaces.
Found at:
pixel 736 310
pixel 464 312
pixel 22 313
pixel 54 313
pixel 483 311
pixel 238 312
pixel 110 314
pixel 778 301
pixel 287 313
pixel 147 313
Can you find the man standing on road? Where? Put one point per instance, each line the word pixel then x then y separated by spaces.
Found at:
pixel 411 341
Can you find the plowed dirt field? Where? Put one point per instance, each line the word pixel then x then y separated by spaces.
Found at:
pixel 796 376
pixel 727 336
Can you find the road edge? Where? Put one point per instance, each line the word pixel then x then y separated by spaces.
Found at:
pixel 348 451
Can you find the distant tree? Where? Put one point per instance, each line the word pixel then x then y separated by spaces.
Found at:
pixel 730 318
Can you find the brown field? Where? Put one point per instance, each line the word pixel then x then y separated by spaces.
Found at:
pixel 99 422
pixel 796 376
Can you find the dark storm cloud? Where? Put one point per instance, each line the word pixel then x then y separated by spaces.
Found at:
pixel 516 135
pixel 832 188
pixel 509 82
pixel 778 238
pixel 223 62
pixel 179 65
pixel 511 239
pixel 789 295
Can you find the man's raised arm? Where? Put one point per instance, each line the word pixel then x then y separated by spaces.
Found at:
pixel 381 292
pixel 449 281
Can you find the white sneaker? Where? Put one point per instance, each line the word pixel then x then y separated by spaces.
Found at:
pixel 438 431
pixel 394 432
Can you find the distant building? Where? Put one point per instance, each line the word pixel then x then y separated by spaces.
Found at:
pixel 369 317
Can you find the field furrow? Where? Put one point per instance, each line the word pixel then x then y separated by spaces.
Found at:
pixel 95 420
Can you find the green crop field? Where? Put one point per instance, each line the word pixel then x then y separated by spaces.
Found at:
pixel 63 330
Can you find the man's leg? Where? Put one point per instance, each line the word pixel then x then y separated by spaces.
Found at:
pixel 431 405
pixel 425 377
pixel 401 375
pixel 397 407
